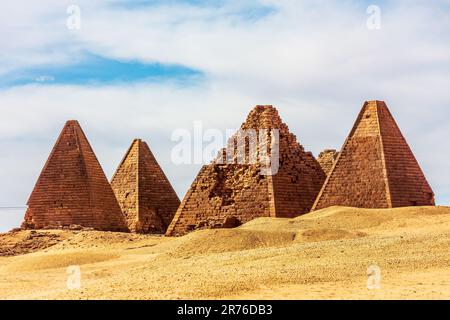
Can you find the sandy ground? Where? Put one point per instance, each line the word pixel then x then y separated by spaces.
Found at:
pixel 322 255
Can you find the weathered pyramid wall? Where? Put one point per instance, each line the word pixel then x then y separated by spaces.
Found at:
pixel 326 159
pixel 408 185
pixel 221 192
pixel 298 181
pixel 225 195
pixel 376 168
pixel 145 195
pixel 72 188
pixel 125 186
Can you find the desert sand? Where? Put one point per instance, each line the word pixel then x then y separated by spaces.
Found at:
pixel 321 255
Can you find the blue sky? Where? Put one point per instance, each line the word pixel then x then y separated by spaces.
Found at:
pixel 96 70
pixel 146 68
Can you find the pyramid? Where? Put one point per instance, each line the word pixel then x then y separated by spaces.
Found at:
pixel 376 168
pixel 72 188
pixel 326 159
pixel 143 191
pixel 229 192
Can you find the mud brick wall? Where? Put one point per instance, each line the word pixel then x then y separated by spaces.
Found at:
pixel 157 199
pixel 225 195
pixel 374 166
pixel 125 186
pixel 298 181
pixel 407 183
pixel 144 193
pixel 326 159
pixel 72 188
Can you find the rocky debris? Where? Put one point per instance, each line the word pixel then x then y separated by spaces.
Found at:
pixel 327 158
pixel 18 242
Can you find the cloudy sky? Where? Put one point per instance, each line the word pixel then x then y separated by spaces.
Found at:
pixel 146 68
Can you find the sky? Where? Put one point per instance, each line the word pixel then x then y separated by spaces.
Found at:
pixel 144 69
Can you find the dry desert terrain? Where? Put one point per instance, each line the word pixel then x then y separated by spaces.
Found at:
pixel 321 255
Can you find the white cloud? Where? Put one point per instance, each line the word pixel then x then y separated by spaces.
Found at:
pixel 44 79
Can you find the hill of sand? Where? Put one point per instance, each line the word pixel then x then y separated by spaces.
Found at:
pixel 321 255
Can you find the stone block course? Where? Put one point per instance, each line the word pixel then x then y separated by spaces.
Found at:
pixel 326 159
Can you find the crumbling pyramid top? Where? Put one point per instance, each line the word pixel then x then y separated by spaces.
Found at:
pixel 263 117
pixel 375 168
pixel 327 158
pixel 143 191
pixel 72 188
pixel 272 138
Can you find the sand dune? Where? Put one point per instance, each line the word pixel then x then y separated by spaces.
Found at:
pixel 324 254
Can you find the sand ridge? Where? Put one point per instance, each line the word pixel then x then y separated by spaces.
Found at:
pixel 324 254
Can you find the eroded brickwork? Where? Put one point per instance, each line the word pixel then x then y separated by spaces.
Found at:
pixel 72 188
pixel 125 186
pixel 145 195
pixel 407 183
pixel 376 168
pixel 327 159
pixel 227 194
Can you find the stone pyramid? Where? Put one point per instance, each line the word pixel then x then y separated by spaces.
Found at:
pixel 72 188
pixel 376 168
pixel 229 192
pixel 326 159
pixel 143 191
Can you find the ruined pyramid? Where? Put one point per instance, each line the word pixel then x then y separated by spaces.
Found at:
pixel 242 184
pixel 326 159
pixel 376 168
pixel 143 191
pixel 72 188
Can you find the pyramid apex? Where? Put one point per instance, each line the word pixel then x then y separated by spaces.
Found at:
pixel 138 142
pixel 263 117
pixel 264 106
pixel 378 103
pixel 72 122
